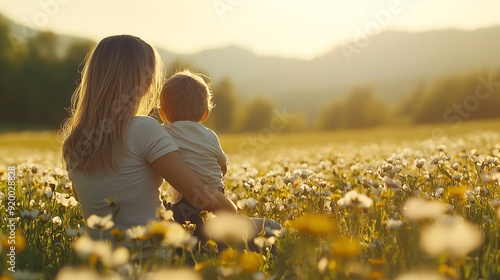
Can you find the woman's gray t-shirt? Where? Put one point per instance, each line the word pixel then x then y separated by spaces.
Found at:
pixel 134 186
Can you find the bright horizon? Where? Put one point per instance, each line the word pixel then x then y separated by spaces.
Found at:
pixel 287 28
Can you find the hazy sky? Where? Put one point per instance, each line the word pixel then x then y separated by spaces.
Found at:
pixel 290 28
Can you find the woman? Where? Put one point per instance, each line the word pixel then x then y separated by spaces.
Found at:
pixel 113 150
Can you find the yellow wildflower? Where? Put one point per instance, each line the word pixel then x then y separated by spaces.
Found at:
pixel 346 248
pixel 211 246
pixel 313 224
pixel 250 262
pixel 117 234
pixel 457 191
pixel 156 229
pixel 229 255
pixel 447 270
pixel 377 261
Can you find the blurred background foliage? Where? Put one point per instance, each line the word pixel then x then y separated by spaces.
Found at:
pixel 38 75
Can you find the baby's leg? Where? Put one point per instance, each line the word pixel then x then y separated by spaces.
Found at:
pixel 268 225
pixel 183 212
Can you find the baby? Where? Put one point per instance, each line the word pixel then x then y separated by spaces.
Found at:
pixel 185 103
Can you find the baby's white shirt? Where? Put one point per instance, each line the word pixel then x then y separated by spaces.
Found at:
pixel 200 148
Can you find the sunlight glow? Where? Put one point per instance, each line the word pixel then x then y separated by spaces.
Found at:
pixel 288 28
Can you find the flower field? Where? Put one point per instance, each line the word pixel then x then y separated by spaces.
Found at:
pixel 425 209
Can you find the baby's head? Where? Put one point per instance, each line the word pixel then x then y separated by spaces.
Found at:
pixel 185 96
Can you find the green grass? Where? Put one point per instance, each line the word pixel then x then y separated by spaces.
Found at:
pixel 234 143
pixel 44 140
pixel 237 143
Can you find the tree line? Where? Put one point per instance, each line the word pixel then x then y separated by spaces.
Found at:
pixel 39 75
pixel 454 99
pixel 37 78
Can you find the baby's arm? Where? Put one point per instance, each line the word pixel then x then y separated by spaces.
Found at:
pixel 222 161
pixel 182 178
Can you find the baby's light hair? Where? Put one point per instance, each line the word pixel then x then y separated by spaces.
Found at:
pixel 186 96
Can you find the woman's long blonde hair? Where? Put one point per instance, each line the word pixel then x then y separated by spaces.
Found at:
pixel 120 79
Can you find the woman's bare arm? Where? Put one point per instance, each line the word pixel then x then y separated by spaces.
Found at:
pixel 178 174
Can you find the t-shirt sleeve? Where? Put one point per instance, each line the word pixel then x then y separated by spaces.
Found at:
pixel 151 139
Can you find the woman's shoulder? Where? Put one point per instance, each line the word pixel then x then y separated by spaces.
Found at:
pixel 146 135
pixel 144 120
pixel 141 126
pixel 144 124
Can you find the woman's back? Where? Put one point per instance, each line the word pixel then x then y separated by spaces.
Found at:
pixel 134 181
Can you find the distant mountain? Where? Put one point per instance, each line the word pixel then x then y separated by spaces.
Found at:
pixel 407 58
pixel 393 63
pixel 244 68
